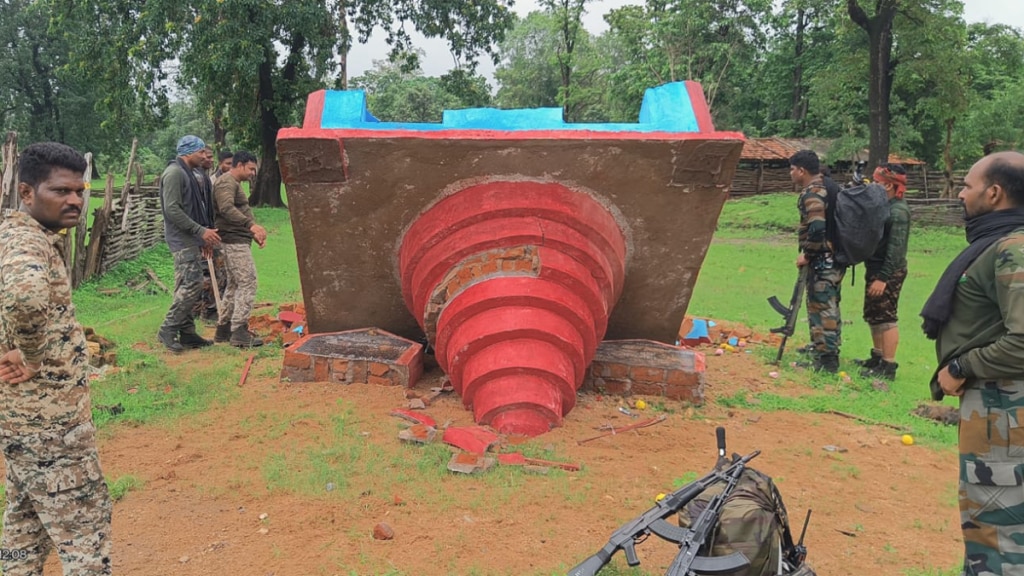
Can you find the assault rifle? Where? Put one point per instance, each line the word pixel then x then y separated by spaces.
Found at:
pixel 789 314
pixel 689 539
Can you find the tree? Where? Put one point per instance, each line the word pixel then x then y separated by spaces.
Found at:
pixel 882 70
pixel 252 62
pixel 396 94
pixel 714 42
pixel 529 74
pixel 41 97
pixel 567 21
pixel 526 74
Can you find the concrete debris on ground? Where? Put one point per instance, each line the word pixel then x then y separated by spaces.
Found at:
pixel 414 417
pixel 101 350
pixel 469 463
pixel 383 532
pixel 726 336
pixel 418 434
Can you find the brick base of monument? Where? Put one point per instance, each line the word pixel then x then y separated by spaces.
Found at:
pixel 646 368
pixel 367 355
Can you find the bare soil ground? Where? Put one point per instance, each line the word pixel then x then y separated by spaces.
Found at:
pixel 210 504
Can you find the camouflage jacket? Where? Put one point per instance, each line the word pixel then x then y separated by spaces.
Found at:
pixel 38 318
pixel 812 232
pixel 891 255
pixel 986 327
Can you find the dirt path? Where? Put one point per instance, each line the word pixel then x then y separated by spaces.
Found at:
pixel 879 508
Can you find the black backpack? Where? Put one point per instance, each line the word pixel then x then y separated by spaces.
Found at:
pixel 855 221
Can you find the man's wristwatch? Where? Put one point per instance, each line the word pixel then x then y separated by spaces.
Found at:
pixel 956 369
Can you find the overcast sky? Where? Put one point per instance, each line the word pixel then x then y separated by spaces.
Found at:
pixel 438 60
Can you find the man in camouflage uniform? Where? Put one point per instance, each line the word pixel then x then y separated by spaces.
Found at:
pixel 188 228
pixel 238 228
pixel 56 496
pixel 824 275
pixel 885 272
pixel 976 316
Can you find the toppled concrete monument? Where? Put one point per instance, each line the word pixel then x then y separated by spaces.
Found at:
pixel 512 241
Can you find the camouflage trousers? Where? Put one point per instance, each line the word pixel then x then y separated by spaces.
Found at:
pixel 823 297
pixel 991 494
pixel 188 287
pixel 56 498
pixel 883 309
pixel 240 295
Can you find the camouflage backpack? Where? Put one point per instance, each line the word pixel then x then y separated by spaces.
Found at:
pixel 753 521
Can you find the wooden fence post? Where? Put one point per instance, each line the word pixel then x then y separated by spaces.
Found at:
pixel 9 175
pixel 125 197
pixel 99 229
pixel 78 268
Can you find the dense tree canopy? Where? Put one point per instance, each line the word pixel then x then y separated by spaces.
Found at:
pixel 909 77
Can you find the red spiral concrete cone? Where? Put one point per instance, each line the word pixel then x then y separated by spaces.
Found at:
pixel 513 283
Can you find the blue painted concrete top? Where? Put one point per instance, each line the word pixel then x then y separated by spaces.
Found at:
pixel 666 108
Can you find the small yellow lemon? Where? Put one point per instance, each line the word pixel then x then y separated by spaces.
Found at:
pixel 907 439
pixel 640 404
pixel 659 497
pixel 842 374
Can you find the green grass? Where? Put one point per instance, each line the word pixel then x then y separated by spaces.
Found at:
pixel 753 257
pixel 145 386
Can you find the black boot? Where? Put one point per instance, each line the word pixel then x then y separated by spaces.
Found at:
pixel 169 338
pixel 827 363
pixel 190 339
pixel 223 333
pixel 884 370
pixel 242 338
pixel 876 357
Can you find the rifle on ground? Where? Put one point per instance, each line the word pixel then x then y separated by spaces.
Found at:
pixel 653 522
pixel 789 314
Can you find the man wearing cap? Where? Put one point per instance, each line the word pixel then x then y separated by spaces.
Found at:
pixel 188 228
pixel 885 271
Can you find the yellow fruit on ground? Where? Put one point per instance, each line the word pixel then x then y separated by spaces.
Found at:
pixel 640 404
pixel 907 439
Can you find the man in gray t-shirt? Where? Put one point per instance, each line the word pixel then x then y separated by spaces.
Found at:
pixel 188 228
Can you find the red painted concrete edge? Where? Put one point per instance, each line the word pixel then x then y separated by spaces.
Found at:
pixel 591 135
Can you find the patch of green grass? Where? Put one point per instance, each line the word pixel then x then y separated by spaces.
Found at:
pixel 122 486
pixel 737 277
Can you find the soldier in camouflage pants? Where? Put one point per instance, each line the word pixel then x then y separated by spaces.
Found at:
pixel 56 495
pixel 976 316
pixel 824 276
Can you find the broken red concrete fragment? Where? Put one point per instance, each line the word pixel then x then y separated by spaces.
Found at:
pixel 414 417
pixel 418 434
pixel 290 318
pixel 466 463
pixel 472 439
pixel 383 532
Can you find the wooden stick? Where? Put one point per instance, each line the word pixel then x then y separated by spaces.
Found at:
pixel 613 431
pixel 216 288
pixel 867 420
pixel 245 371
pixel 156 279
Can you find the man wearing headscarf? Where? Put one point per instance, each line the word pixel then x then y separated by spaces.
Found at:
pixel 188 228
pixel 885 271
pixel 976 317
